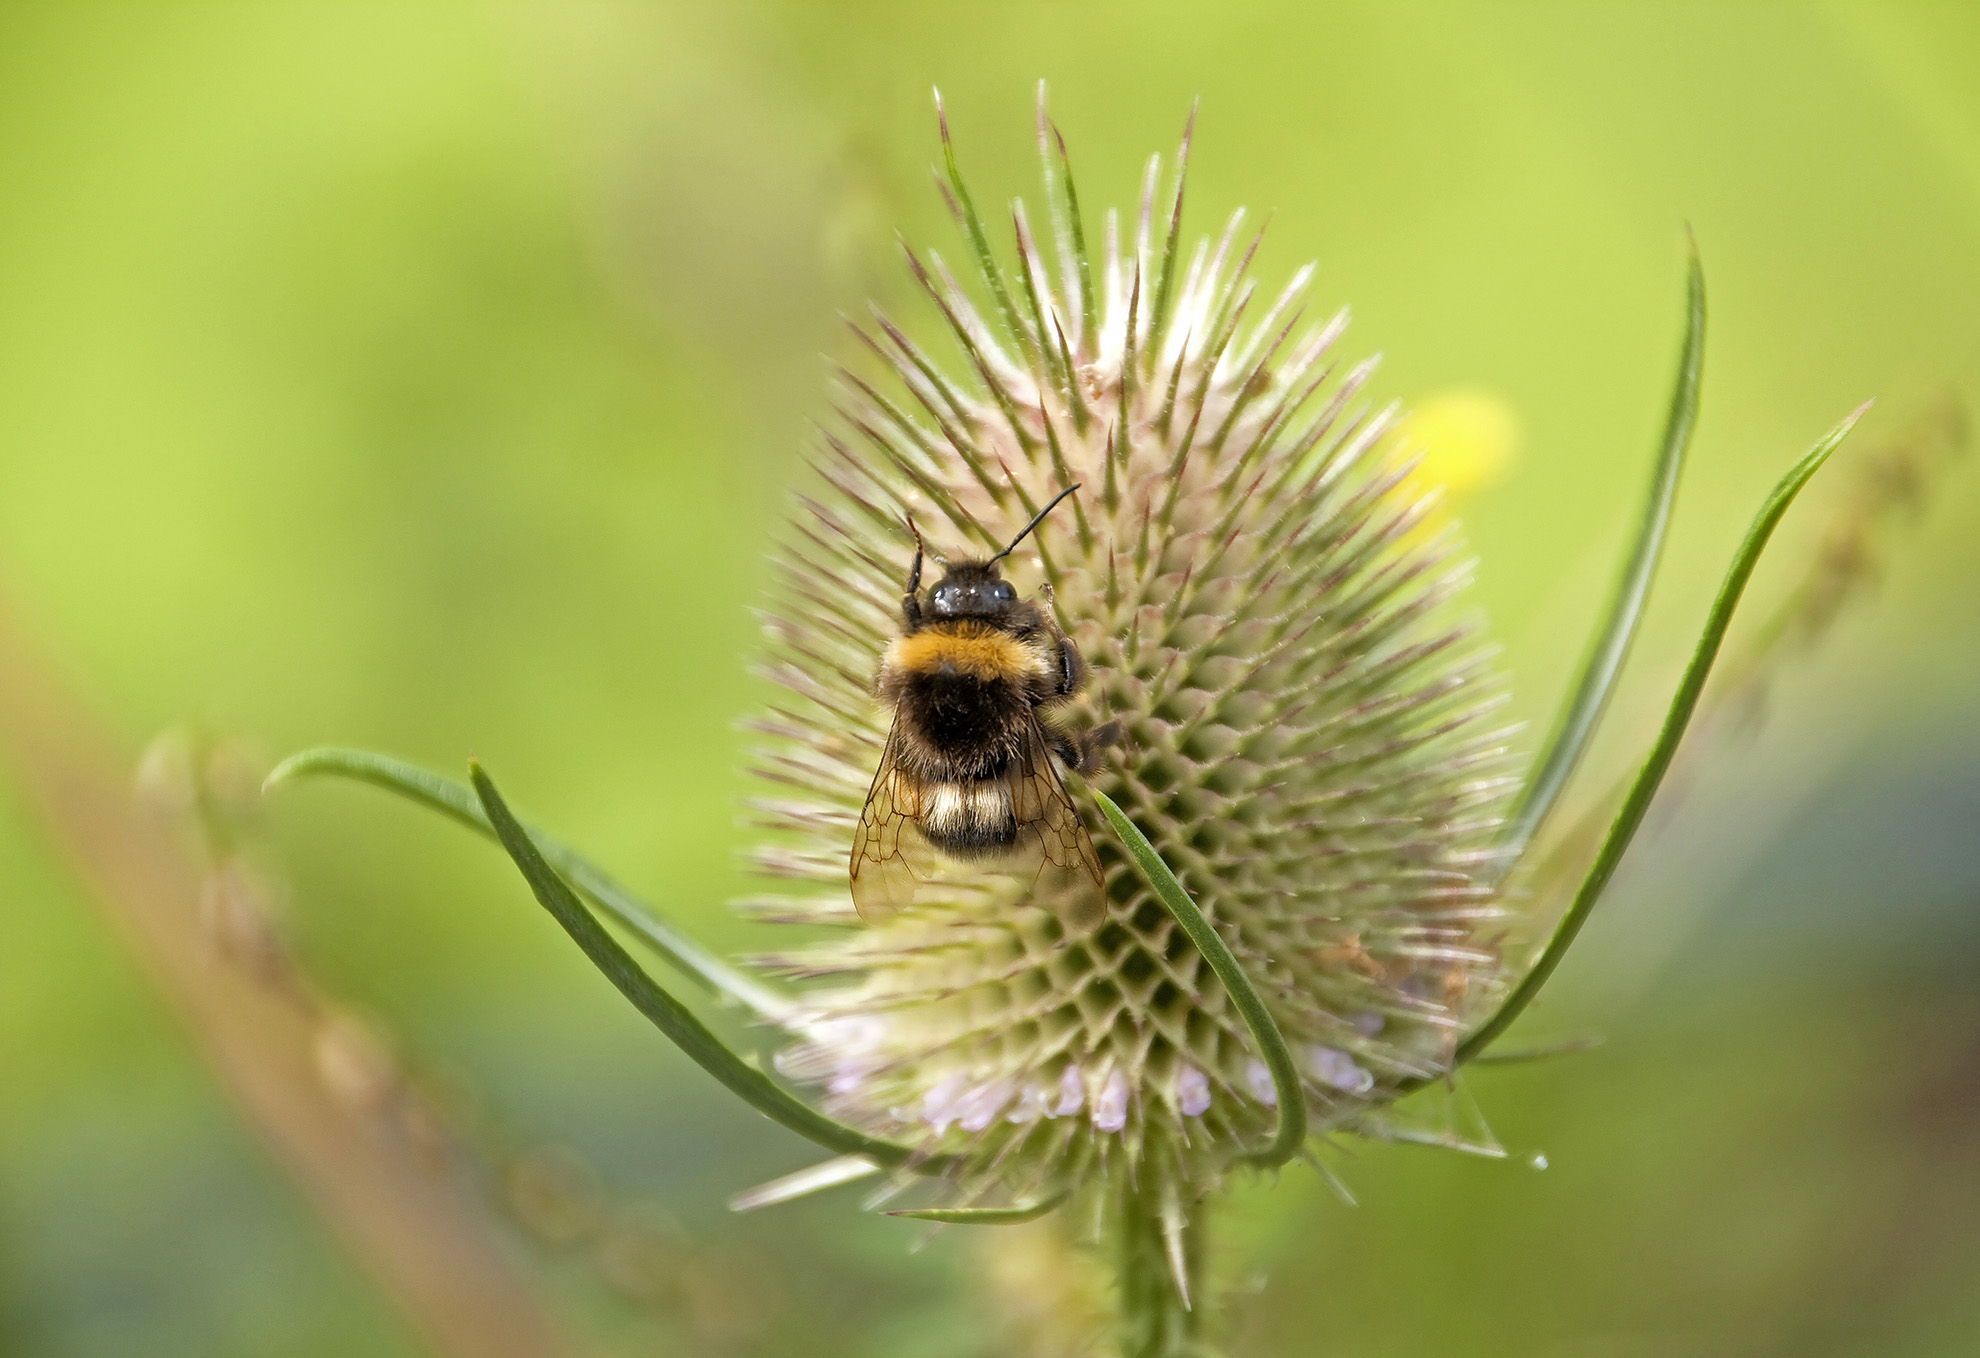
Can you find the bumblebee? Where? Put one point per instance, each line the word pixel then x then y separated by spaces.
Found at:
pixel 968 769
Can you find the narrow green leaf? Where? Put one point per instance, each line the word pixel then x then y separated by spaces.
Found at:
pixel 1577 723
pixel 665 1012
pixel 458 802
pixel 1636 803
pixel 984 1216
pixel 1257 1018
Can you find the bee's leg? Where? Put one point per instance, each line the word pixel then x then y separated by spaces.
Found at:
pixel 1099 738
pixel 1072 665
pixel 1080 751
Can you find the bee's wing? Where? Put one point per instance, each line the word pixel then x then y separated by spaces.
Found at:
pixel 1069 877
pixel 882 882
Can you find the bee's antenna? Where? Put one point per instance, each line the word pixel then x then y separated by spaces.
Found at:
pixel 1035 520
pixel 914 575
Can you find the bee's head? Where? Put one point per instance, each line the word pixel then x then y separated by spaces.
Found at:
pixel 976 589
pixel 972 589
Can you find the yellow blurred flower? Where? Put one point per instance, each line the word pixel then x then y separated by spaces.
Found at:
pixel 1466 437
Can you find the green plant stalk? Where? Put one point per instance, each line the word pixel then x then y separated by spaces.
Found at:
pixel 1154 1318
pixel 1576 727
pixel 1258 1020
pixel 1636 803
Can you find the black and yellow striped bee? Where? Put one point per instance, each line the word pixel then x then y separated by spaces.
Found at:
pixel 968 769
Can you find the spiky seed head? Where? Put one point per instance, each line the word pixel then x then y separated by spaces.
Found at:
pixel 1306 737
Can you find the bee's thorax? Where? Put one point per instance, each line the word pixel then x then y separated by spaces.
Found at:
pixel 969 649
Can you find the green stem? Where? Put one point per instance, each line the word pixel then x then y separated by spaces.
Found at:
pixel 1153 1318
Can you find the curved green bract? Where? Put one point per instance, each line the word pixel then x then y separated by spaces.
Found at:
pixel 456 801
pixel 668 1014
pixel 983 1216
pixel 1644 788
pixel 1605 662
pixel 1251 1008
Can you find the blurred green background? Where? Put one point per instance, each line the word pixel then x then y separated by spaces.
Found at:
pixel 431 377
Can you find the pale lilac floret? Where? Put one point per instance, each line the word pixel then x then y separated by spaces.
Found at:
pixel 1258 1080
pixel 1332 1066
pixel 1072 1093
pixel 942 1104
pixel 1110 1108
pixel 980 1106
pixel 1192 1092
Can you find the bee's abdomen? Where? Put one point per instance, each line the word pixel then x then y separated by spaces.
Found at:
pixel 968 819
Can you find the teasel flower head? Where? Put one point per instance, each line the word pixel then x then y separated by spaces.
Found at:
pixel 1274 614
pixel 1309 837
